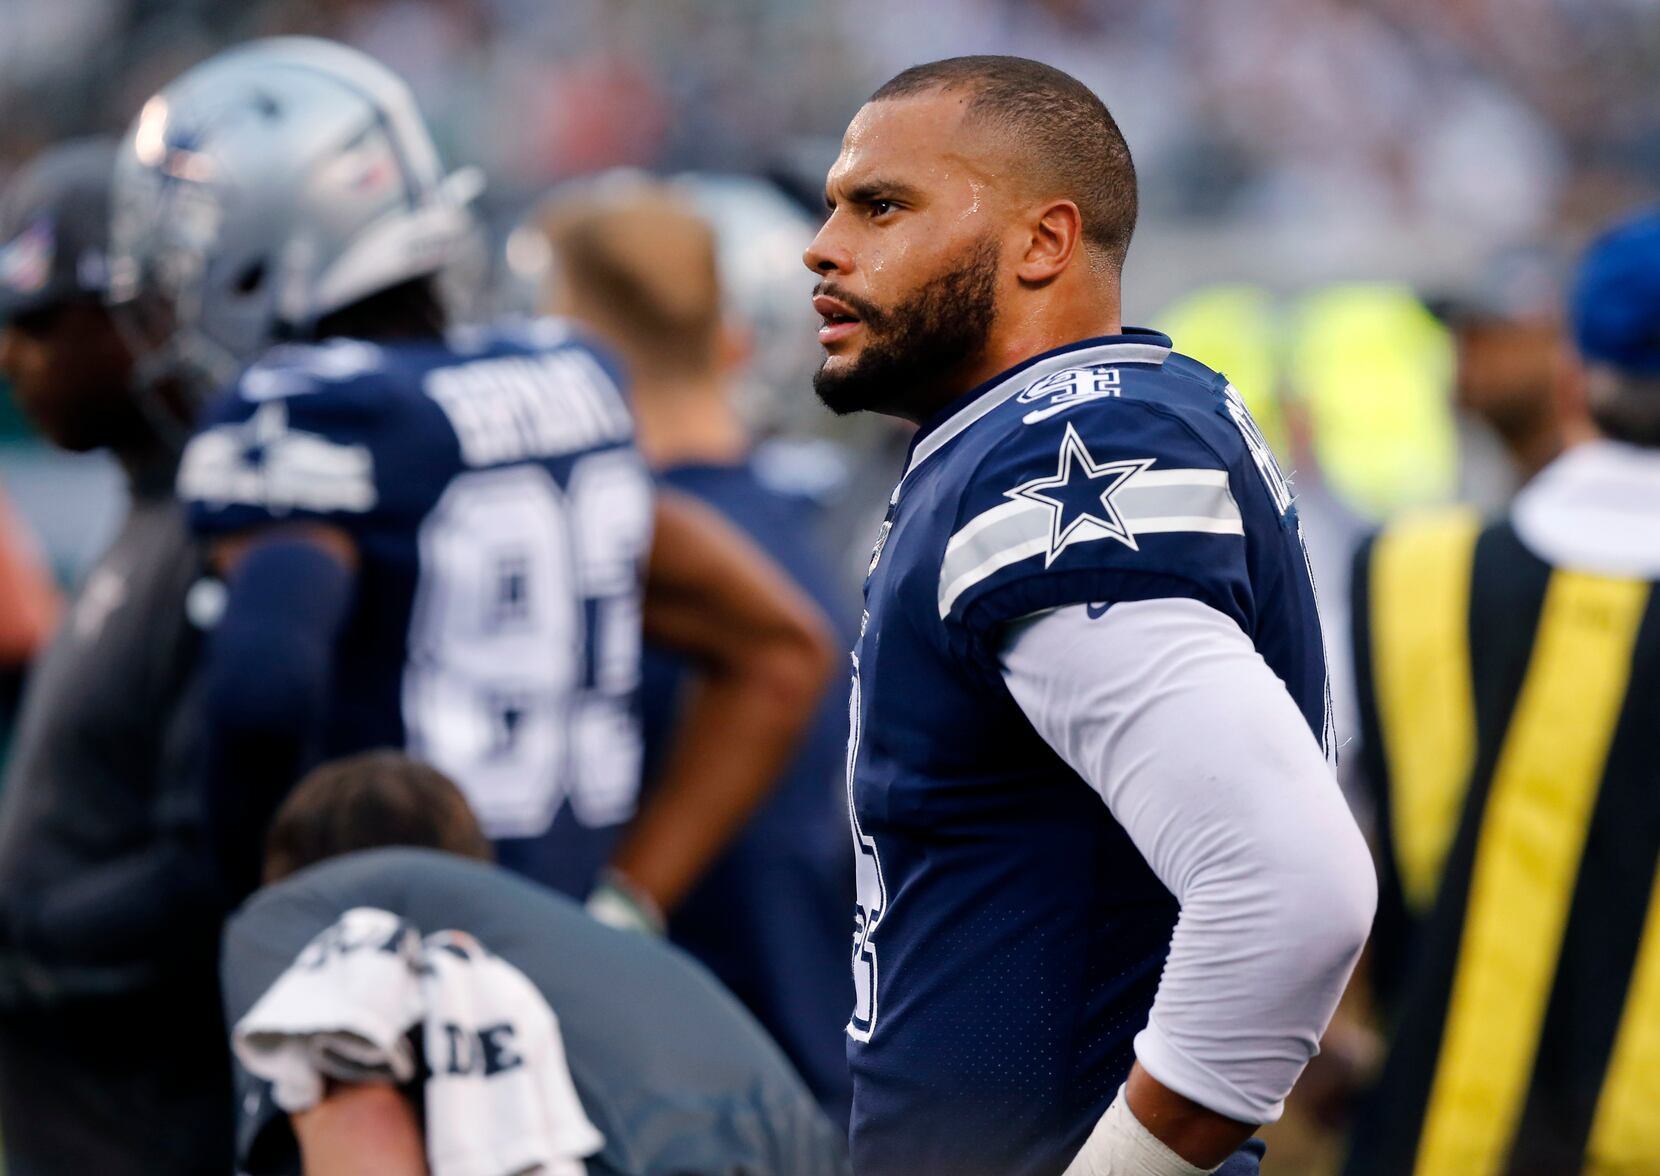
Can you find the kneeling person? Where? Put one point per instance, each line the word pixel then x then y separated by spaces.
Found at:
pixel 644 1064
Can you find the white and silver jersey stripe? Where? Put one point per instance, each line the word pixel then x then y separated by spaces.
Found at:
pixel 1150 502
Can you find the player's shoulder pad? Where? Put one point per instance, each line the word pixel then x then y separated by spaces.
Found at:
pixel 1089 485
pixel 290 370
pixel 294 434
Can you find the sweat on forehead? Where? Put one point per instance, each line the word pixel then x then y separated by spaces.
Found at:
pixel 1056 125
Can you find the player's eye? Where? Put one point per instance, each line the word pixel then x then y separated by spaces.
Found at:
pixel 880 208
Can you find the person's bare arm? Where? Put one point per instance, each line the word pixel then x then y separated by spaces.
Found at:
pixel 357 1129
pixel 1196 1133
pixel 29 600
pixel 763 654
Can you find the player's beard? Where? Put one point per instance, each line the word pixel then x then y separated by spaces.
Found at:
pixel 916 348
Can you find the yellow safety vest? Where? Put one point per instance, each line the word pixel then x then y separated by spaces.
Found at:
pixel 1511 719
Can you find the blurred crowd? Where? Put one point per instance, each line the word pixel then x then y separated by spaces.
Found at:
pixel 1294 143
pixel 1336 116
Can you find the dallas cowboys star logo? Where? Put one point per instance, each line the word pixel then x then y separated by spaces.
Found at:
pixel 1081 491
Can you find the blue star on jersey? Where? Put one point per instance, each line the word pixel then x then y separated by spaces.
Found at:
pixel 1020 933
pixel 1081 492
pixel 263 462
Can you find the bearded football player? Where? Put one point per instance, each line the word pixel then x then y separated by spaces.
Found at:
pixel 1109 892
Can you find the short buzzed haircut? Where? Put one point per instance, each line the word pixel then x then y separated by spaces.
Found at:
pixel 639 266
pixel 366 801
pixel 1071 137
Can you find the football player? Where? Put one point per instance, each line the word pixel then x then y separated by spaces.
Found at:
pixel 429 539
pixel 1109 893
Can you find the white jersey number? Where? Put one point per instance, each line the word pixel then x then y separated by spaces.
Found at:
pixel 872 897
pixel 498 692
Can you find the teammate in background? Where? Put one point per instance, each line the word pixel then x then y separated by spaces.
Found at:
pixel 769 918
pixel 1509 676
pixel 1090 588
pixel 430 539
pixel 112 1055
pixel 670 1077
pixel 1511 350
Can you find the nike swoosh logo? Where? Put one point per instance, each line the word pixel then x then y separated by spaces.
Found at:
pixel 1096 611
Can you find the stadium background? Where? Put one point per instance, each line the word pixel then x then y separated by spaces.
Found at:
pixel 1293 144
pixel 1309 169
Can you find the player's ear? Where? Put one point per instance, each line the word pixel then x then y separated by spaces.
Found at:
pixel 1056 236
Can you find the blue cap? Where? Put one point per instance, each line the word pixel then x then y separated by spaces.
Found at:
pixel 1616 301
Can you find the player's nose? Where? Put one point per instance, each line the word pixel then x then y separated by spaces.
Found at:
pixel 825 255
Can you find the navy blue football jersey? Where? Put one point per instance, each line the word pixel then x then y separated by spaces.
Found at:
pixel 1009 937
pixel 501 514
pixel 769 916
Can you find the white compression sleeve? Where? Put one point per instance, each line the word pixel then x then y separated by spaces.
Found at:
pixel 1168 711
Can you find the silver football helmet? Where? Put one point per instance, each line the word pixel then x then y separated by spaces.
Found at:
pixel 275 183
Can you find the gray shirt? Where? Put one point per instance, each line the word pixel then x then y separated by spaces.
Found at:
pixel 669 1067
pixel 101 859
